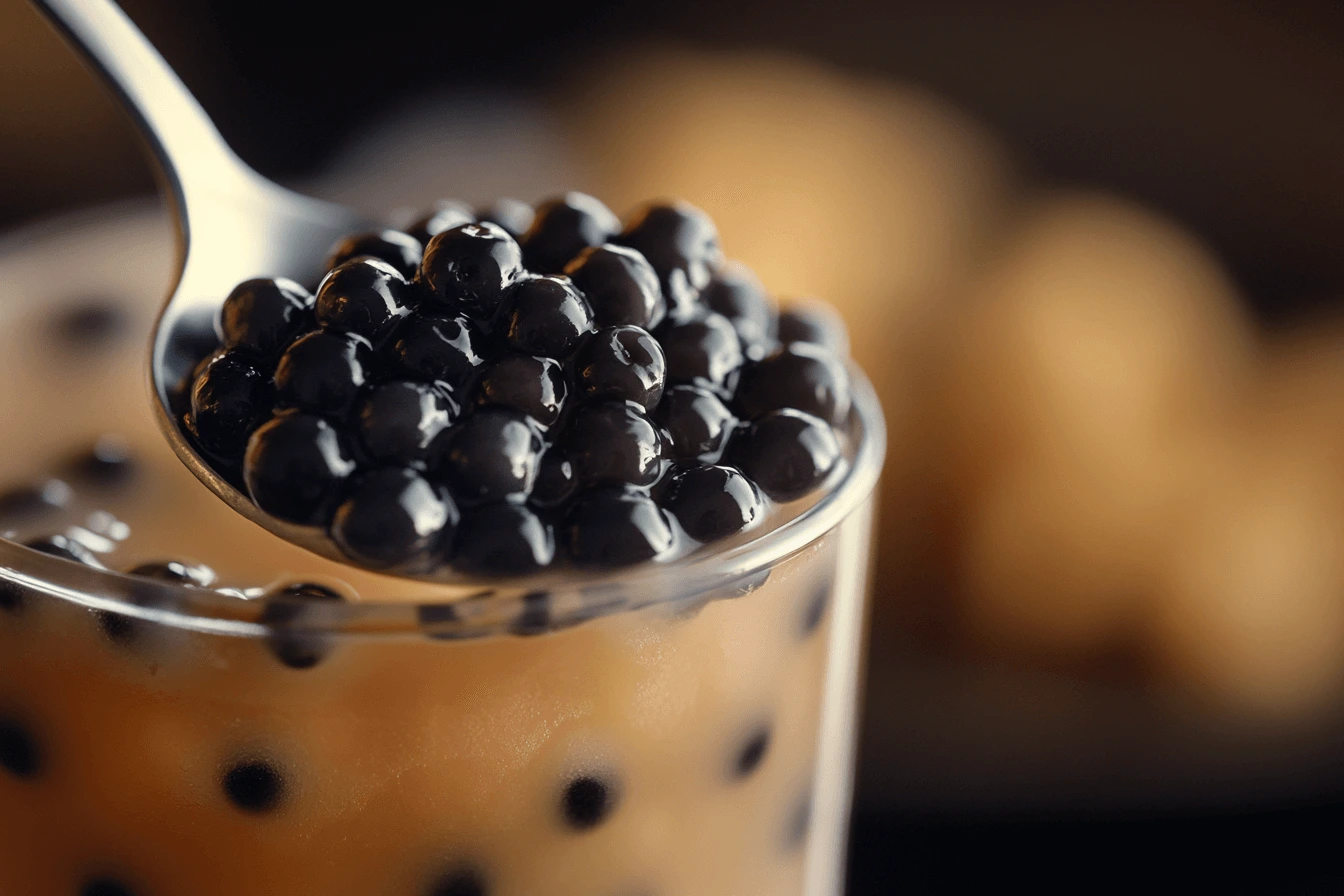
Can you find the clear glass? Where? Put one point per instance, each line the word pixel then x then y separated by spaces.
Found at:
pixel 678 729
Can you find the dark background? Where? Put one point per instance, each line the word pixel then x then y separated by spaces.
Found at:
pixel 1229 116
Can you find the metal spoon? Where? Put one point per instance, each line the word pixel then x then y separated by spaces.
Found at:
pixel 232 223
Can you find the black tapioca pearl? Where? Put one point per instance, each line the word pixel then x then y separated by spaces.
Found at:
pixel 108 463
pixel 12 596
pixel 563 227
pixel 105 886
pixel 786 453
pixel 589 800
pixel 262 316
pixel 750 753
pixel 798 823
pixel 464 880
pixel 90 323
pixel 713 502
pixel 296 467
pixel 31 501
pixel 65 548
pixel 254 785
pixel 535 616
pixel 19 751
pixel 815 609
pixel 681 243
pixel 285 613
pixel 471 267
pixel 119 628
pixel 504 539
pixel 801 376
pixel 323 372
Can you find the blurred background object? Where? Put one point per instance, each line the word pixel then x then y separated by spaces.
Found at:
pixel 1089 253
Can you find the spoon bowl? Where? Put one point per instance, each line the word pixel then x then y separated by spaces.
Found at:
pixel 232 225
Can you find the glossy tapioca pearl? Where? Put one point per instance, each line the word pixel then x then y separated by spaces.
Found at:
pixel 555 482
pixel 588 800
pixel 400 250
pixel 230 398
pixel 470 268
pixel 514 215
pixel 547 316
pixel 616 526
pixel 815 323
pixel 254 785
pixel 613 443
pixel 394 518
pixel 105 886
pixel 445 215
pixel 323 372
pixel 682 244
pixel 296 467
pixel 748 755
pixel 20 754
pixel 442 349
pixel 261 317
pixel 365 296
pixel 801 376
pixel 398 422
pixel 461 880
pixel 697 422
pixel 702 350
pixel 288 615
pixel 738 295
pixel 492 455
pixel 622 363
pixel 89 323
pixel 29 502
pixel 620 285
pixel 503 539
pixel 563 227
pixel 66 548
pixel 528 384
pixel 786 453
pixel 713 502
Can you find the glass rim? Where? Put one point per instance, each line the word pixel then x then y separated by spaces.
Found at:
pixel 483 607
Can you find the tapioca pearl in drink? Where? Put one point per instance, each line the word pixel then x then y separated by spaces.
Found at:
pixel 590 799
pixel 750 752
pixel 814 608
pixel 288 609
pixel 255 785
pixel 20 755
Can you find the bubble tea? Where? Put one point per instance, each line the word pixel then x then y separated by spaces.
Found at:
pixel 641 683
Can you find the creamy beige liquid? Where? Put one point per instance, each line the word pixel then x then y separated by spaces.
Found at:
pixel 402 765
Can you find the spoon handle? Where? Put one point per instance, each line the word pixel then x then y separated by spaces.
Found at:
pixel 190 151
